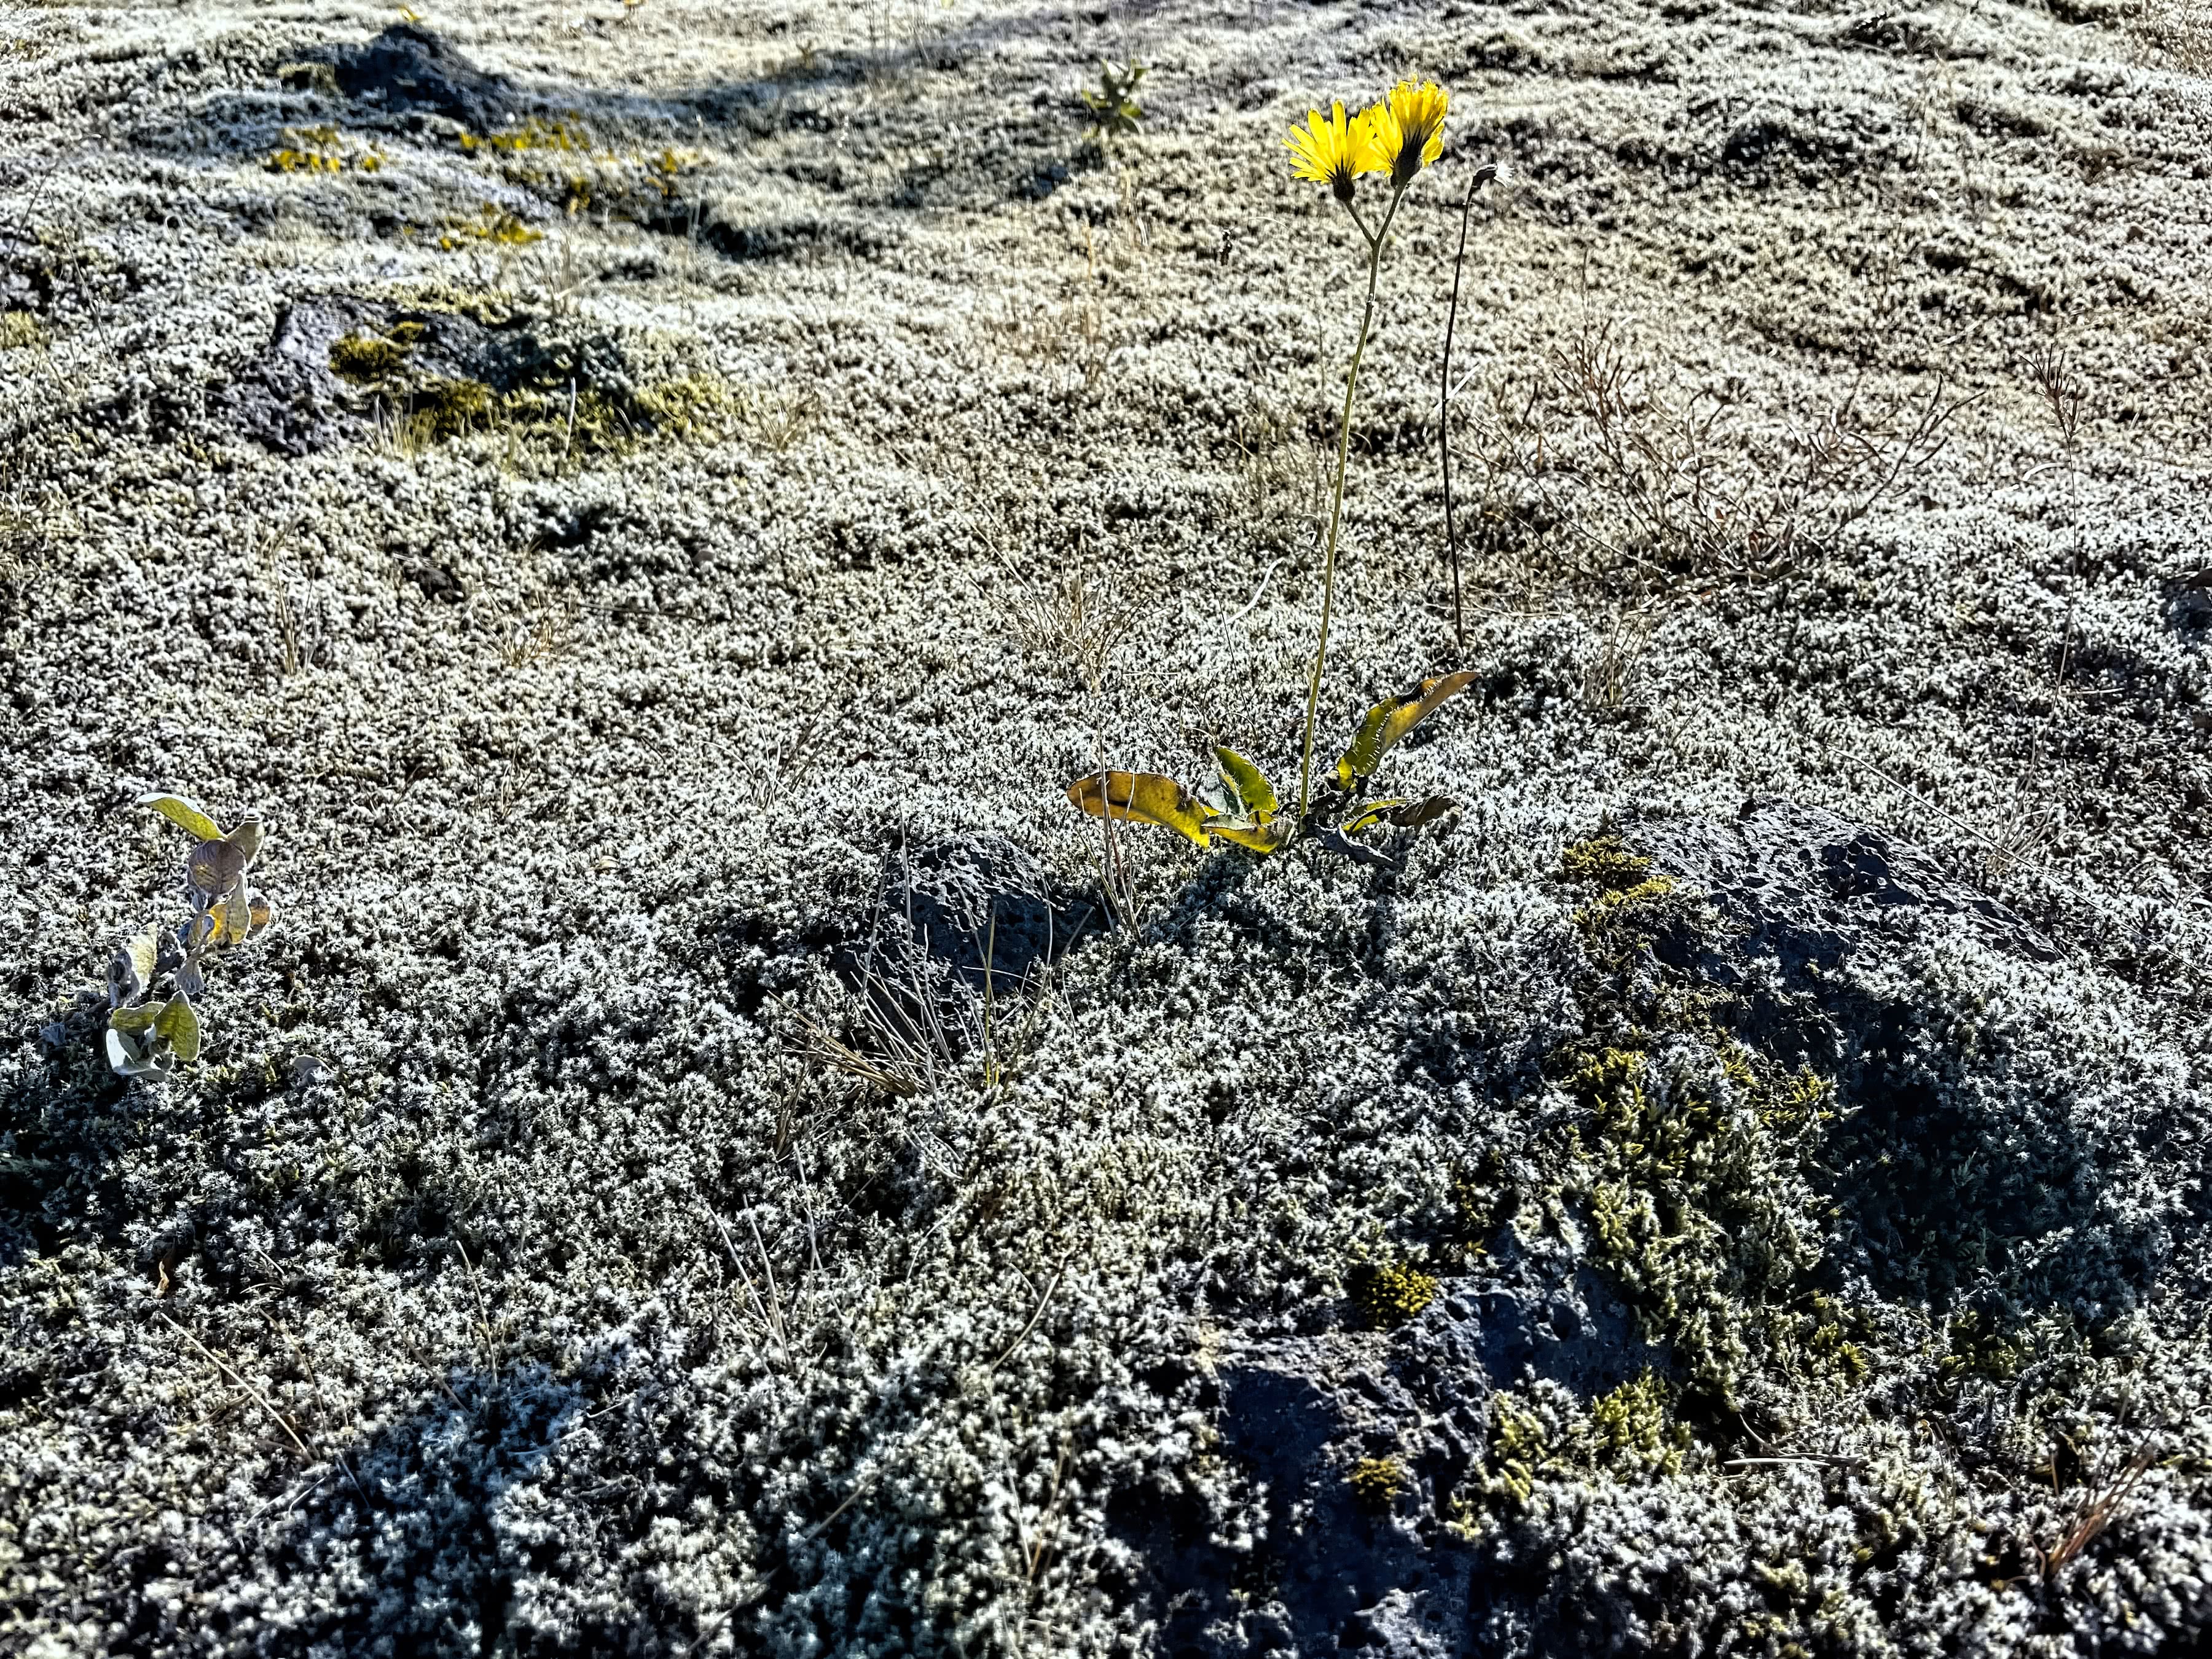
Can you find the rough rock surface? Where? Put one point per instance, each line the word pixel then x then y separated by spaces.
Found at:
pixel 778 448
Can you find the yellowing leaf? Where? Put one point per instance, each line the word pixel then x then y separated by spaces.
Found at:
pixel 187 814
pixel 239 917
pixel 236 920
pixel 1147 795
pixel 1372 813
pixel 179 1027
pixel 131 970
pixel 1250 782
pixel 1387 722
pixel 1261 835
pixel 1426 811
pixel 133 1019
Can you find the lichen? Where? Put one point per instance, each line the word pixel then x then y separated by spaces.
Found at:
pixel 1628 1434
pixel 452 407
pixel 1604 863
pixel 1695 1159
pixel 561 160
pixel 692 405
pixel 1375 1482
pixel 1628 906
pixel 493 224
pixel 1389 1293
pixel 321 149
pixel 1633 1428
pixel 367 359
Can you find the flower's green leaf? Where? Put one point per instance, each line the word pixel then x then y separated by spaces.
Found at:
pixel 1387 722
pixel 127 1057
pixel 217 868
pixel 1262 835
pixel 140 1018
pixel 1428 810
pixel 1370 814
pixel 177 1025
pixel 185 813
pixel 131 970
pixel 1248 781
pixel 246 838
pixel 1150 796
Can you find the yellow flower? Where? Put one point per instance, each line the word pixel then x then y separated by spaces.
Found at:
pixel 1330 149
pixel 1406 131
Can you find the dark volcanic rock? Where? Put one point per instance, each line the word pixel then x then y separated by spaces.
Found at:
pixel 1800 893
pixel 1297 1412
pixel 287 400
pixel 1808 886
pixel 972 898
pixel 409 69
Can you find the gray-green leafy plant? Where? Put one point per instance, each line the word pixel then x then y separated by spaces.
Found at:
pixel 153 978
pixel 1113 103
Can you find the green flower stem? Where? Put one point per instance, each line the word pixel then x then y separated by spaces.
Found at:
pixel 1336 512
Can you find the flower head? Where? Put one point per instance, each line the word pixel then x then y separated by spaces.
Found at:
pixel 1406 131
pixel 1331 149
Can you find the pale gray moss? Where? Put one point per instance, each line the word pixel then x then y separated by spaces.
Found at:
pixel 534 1285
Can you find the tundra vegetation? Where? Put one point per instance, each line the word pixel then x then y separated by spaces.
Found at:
pixel 693 544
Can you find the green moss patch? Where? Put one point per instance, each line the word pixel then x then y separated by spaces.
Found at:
pixel 366 359
pixel 1375 1482
pixel 1390 1293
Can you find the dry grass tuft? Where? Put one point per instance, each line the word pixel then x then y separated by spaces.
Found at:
pixel 1609 676
pixel 1649 473
pixel 1068 617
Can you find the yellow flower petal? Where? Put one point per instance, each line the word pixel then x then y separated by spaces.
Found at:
pixel 1407 128
pixel 1328 149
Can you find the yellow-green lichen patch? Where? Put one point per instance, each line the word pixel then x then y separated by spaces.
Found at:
pixel 1389 1293
pixel 1627 904
pixel 19 329
pixel 1973 1350
pixel 1696 1159
pixel 561 159
pixel 451 408
pixel 1375 1482
pixel 693 405
pixel 493 224
pixel 1629 1433
pixel 1697 1192
pixel 589 421
pixel 1633 1429
pixel 1604 862
pixel 367 359
pixel 321 149
pixel 569 135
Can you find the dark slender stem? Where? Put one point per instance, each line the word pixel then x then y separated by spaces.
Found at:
pixel 1483 175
